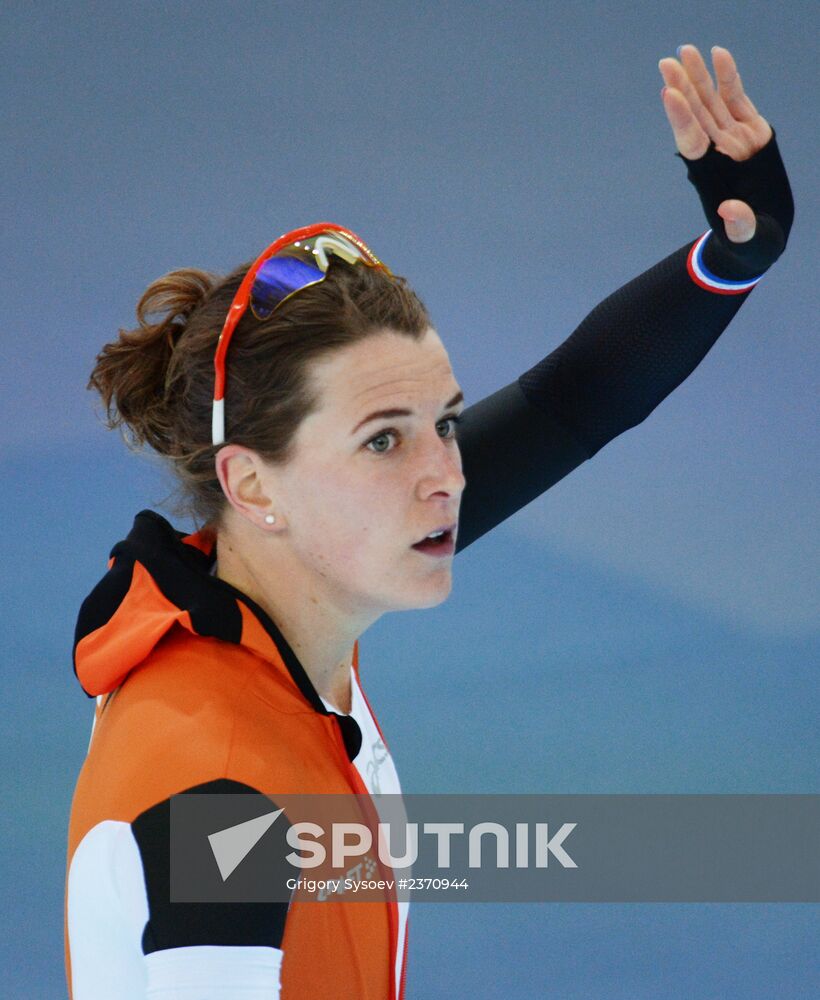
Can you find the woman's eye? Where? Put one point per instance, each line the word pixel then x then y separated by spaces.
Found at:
pixel 450 425
pixel 381 443
pixel 388 440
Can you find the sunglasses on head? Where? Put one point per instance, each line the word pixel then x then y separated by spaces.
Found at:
pixel 295 261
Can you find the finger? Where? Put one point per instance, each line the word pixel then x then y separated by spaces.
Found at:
pixel 740 140
pixel 695 67
pixel 676 77
pixel 738 220
pixel 690 138
pixel 730 86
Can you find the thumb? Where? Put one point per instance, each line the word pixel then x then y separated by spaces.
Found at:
pixel 739 220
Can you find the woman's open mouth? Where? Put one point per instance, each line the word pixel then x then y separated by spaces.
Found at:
pixel 440 542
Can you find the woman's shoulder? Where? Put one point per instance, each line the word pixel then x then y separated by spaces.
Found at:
pixel 197 710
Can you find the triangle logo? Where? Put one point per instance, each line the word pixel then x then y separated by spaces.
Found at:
pixel 233 844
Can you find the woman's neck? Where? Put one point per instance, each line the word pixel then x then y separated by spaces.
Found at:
pixel 320 636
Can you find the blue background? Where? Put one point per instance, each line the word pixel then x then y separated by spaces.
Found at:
pixel 647 626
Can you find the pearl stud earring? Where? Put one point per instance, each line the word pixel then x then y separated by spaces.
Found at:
pixel 270 519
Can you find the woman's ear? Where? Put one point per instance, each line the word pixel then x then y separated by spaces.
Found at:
pixel 247 484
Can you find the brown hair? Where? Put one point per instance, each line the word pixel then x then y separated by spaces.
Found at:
pixel 157 380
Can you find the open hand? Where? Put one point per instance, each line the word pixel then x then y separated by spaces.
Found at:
pixel 700 114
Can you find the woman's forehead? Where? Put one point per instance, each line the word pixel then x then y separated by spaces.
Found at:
pixel 383 371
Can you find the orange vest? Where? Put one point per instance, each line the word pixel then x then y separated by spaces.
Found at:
pixel 198 684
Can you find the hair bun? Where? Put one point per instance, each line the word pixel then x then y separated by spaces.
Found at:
pixel 132 374
pixel 174 296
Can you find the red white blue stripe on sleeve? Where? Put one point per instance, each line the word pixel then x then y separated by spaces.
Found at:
pixel 703 277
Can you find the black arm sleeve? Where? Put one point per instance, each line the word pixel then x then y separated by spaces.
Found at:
pixel 762 182
pixel 511 451
pixel 223 917
pixel 632 350
pixel 625 358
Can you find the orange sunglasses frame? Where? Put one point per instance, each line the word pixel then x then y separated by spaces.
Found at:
pixel 243 297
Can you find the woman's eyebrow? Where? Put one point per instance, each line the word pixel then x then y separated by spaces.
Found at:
pixel 390 414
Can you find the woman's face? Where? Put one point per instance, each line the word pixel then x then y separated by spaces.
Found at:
pixel 375 469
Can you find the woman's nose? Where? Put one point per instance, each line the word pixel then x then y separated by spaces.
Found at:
pixel 441 471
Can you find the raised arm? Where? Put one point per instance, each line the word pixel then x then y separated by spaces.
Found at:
pixel 642 341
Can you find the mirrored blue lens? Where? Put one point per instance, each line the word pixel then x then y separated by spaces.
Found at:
pixel 277 278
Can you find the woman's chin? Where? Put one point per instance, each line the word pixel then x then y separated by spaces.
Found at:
pixel 434 594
